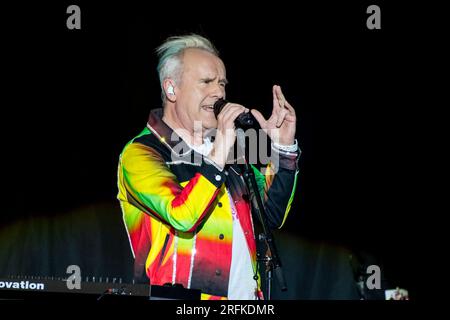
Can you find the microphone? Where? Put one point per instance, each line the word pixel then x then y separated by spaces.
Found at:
pixel 244 120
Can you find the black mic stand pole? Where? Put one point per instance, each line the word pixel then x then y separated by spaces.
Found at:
pixel 272 259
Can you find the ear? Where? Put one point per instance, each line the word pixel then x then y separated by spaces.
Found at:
pixel 169 90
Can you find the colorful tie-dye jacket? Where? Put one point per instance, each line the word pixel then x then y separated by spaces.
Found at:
pixel 177 211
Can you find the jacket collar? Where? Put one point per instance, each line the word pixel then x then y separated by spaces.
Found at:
pixel 165 134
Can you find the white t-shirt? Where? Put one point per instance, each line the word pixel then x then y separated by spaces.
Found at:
pixel 241 286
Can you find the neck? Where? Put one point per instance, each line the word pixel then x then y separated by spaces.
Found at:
pixel 189 135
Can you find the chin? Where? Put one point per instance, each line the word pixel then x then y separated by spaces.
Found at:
pixel 209 122
pixel 207 125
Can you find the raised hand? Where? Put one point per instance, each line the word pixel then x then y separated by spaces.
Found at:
pixel 281 125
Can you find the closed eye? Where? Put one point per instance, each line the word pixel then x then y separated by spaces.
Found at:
pixel 222 82
pixel 207 80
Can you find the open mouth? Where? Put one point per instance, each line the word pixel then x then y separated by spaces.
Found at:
pixel 209 108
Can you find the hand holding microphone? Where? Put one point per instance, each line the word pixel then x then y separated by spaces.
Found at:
pixel 280 126
pixel 227 115
pixel 243 121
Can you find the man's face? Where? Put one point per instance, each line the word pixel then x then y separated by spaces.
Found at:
pixel 203 82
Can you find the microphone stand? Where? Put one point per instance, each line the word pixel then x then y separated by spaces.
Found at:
pixel 272 259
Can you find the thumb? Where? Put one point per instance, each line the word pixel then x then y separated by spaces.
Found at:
pixel 259 117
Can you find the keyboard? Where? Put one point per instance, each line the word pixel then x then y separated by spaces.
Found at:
pixel 26 288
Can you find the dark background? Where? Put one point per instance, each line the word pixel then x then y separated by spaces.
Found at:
pixel 75 97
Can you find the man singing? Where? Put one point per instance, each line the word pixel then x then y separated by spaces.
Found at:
pixel 190 222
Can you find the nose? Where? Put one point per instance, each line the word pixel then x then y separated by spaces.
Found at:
pixel 218 91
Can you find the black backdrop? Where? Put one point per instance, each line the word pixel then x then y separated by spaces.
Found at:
pixel 75 97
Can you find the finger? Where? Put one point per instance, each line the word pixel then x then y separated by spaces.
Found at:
pixel 280 96
pixel 285 105
pixel 229 107
pixel 231 120
pixel 281 115
pixel 233 113
pixel 276 104
pixel 289 107
pixel 291 114
pixel 224 110
pixel 259 117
